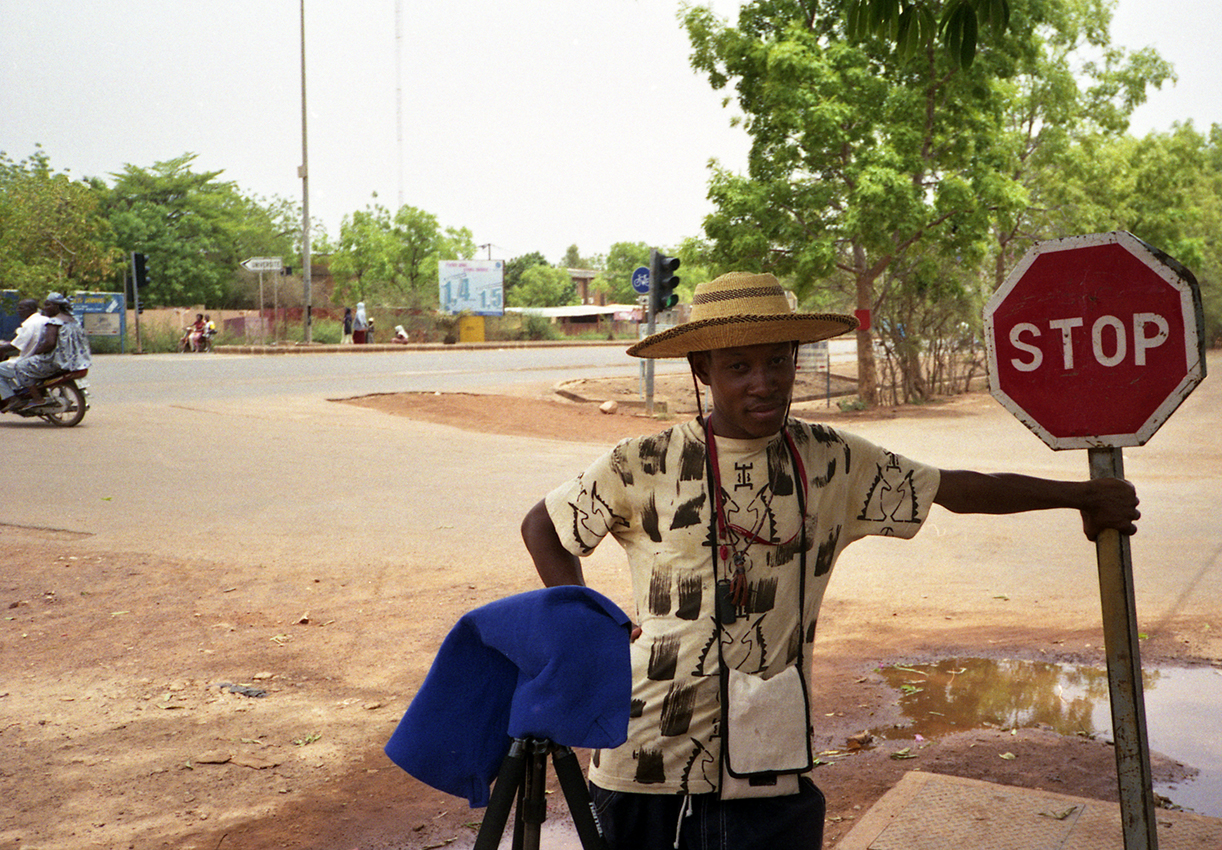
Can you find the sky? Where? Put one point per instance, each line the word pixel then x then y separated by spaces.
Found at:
pixel 536 125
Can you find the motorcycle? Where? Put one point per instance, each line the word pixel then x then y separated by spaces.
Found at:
pixel 205 341
pixel 65 399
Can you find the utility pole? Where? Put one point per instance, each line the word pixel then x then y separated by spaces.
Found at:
pixel 399 92
pixel 304 174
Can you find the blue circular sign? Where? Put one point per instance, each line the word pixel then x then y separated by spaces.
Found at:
pixel 640 280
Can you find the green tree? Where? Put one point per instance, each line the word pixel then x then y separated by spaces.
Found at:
pixel 51 233
pixel 1209 273
pixel 416 237
pixel 395 258
pixel 915 24
pixel 362 260
pixel 1063 120
pixel 615 278
pixel 284 238
pixel 543 286
pixel 866 166
pixel 515 267
pixel 857 162
pixel 193 228
pixel 420 243
pixel 1171 197
pixel 572 259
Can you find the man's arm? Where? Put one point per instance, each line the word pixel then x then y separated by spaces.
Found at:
pixel 1103 502
pixel 50 336
pixel 555 564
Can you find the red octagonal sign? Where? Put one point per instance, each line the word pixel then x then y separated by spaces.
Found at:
pixel 1094 341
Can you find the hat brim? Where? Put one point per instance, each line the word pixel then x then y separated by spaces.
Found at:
pixel 734 331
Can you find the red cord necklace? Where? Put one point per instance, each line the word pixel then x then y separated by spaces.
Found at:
pixel 726 529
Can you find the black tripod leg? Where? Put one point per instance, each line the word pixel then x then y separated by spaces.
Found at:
pixel 513 770
pixel 577 795
pixel 532 801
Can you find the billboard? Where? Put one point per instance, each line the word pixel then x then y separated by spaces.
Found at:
pixel 472 286
pixel 102 313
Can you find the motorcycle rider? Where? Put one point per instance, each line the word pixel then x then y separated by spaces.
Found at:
pixel 63 347
pixel 29 330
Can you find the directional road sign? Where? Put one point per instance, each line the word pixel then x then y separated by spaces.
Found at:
pixel 263 264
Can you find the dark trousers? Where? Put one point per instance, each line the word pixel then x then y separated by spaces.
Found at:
pixel 651 821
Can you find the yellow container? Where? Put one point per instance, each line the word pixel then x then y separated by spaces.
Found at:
pixel 470 328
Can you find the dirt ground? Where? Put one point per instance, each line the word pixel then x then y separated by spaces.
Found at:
pixel 125 724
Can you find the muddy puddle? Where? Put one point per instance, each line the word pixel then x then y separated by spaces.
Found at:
pixel 1183 710
pixel 1183 718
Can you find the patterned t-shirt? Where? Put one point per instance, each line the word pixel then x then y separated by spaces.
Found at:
pixel 651 494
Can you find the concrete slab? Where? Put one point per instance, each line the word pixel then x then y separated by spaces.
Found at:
pixel 928 811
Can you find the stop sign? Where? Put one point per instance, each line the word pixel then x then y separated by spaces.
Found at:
pixel 1093 341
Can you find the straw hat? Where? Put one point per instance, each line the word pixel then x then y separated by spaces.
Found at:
pixel 741 308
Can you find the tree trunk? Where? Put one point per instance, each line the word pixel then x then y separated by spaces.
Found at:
pixel 867 371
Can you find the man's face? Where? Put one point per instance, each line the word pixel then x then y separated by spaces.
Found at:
pixel 751 387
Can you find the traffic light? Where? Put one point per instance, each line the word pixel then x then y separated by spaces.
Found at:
pixel 663 281
pixel 140 280
pixel 139 270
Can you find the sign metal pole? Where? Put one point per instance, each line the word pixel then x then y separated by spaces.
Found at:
pixel 654 276
pixel 1121 643
pixel 262 307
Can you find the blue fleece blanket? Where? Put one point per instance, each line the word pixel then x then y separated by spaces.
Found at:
pixel 550 663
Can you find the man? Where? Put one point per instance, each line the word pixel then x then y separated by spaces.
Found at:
pixel 29 332
pixel 732 524
pixel 63 347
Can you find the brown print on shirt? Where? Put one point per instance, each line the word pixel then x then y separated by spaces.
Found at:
pixel 827 553
pixel 663 658
pixel 653 453
pixel 762 595
pixel 779 475
pixel 689 513
pixel 650 766
pixel 677 708
pixel 691 461
pixel 691 595
pixel 649 519
pixel 589 528
pixel 659 591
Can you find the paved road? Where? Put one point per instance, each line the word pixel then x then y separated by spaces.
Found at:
pixel 243 459
pixel 181 378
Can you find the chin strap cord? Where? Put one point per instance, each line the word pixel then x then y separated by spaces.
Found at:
pixel 685 811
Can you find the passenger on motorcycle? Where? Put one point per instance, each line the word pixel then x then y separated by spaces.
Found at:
pixel 197 332
pixel 63 347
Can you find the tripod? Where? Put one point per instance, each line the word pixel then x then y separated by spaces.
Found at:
pixel 524 774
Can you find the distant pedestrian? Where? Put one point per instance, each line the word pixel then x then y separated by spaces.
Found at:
pixel 360 324
pixel 346 339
